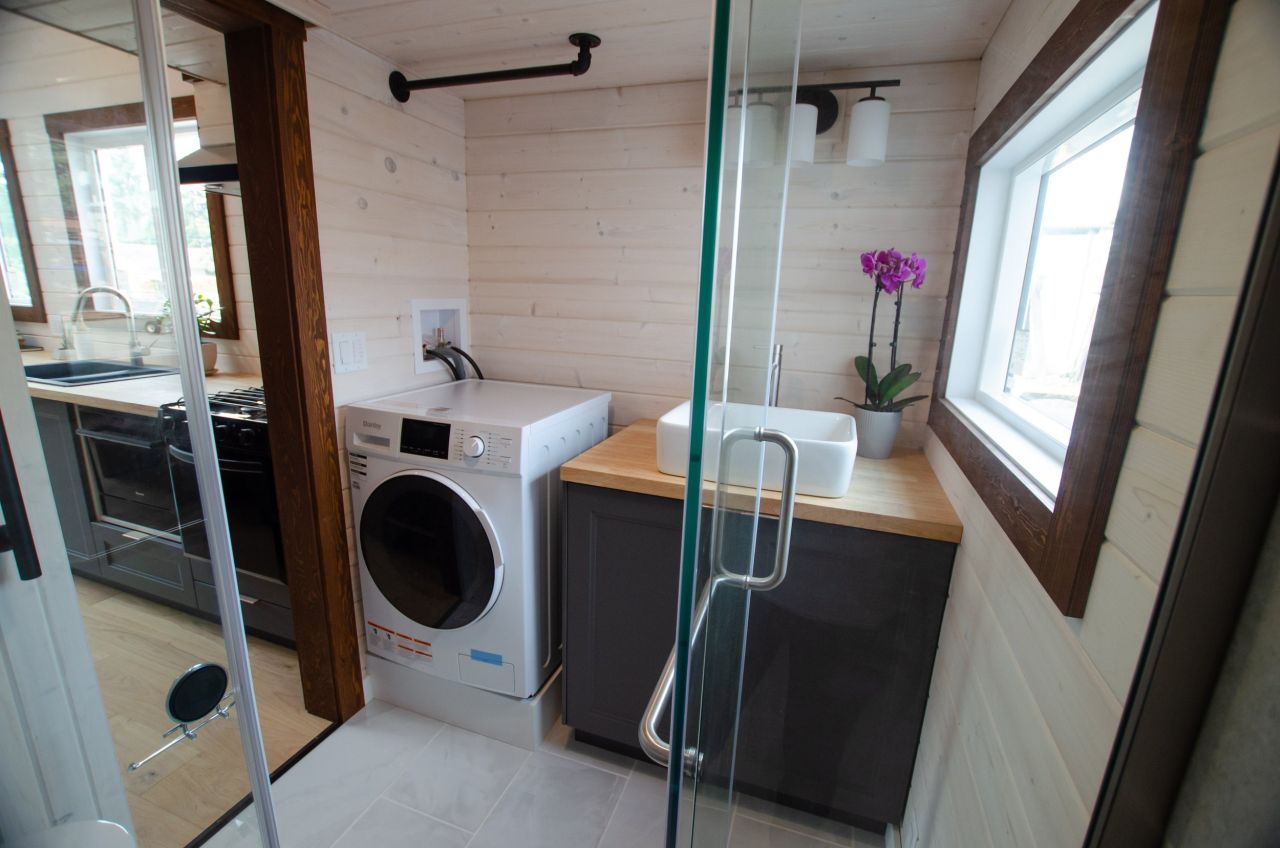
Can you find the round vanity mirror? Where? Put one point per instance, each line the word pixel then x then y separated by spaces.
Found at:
pixel 196 692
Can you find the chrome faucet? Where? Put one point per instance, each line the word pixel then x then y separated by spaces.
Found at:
pixel 136 350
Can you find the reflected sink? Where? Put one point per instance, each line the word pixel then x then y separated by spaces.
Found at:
pixel 827 443
pixel 86 372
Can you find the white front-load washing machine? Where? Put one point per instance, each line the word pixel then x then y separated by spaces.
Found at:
pixel 455 495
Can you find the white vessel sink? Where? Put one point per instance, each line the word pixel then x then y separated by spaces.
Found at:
pixel 827 442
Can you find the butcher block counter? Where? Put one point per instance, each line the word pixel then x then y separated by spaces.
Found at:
pixel 141 396
pixel 896 495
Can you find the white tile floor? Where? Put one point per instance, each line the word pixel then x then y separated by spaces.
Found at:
pixel 393 779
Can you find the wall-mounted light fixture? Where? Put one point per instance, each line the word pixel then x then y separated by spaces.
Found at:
pixel 815 111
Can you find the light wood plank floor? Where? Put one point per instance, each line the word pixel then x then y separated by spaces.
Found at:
pixel 139 647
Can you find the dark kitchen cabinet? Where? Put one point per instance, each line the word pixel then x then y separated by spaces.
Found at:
pixel 56 423
pixel 145 563
pixel 838 662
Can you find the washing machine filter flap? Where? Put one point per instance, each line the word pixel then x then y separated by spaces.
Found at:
pixel 430 550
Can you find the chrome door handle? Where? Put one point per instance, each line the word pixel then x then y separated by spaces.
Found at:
pixel 651 741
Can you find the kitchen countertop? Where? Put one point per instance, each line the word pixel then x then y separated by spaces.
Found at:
pixel 896 495
pixel 141 396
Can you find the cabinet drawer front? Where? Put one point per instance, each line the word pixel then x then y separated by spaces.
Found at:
pixel 155 567
pixel 262 617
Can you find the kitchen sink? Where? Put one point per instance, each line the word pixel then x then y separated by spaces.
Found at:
pixel 827 443
pixel 85 372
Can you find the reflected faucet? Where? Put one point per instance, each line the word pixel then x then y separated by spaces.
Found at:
pixel 775 372
pixel 136 350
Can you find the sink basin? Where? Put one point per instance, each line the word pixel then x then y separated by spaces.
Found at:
pixel 827 443
pixel 85 372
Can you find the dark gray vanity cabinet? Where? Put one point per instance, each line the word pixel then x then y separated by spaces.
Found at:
pixel 838 662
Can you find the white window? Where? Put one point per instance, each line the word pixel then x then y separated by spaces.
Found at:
pixel 1045 211
pixel 13 267
pixel 117 221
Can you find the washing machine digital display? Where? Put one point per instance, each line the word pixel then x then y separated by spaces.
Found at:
pixel 424 438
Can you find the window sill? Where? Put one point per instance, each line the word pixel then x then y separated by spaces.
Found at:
pixel 1040 467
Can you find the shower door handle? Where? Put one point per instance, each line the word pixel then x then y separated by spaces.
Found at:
pixel 651 741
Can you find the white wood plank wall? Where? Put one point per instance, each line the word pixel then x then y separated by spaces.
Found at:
pixel 1024 703
pixel 584 219
pixel 391 202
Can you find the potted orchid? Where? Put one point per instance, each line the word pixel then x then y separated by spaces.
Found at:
pixel 879 413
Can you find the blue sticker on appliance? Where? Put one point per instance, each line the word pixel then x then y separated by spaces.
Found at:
pixel 486 657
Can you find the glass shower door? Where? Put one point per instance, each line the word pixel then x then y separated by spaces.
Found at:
pixel 93 574
pixel 741 477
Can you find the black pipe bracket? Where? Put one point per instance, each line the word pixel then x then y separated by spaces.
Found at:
pixel 584 41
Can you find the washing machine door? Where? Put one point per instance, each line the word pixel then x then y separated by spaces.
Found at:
pixel 430 550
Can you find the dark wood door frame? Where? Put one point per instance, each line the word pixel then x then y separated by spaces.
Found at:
pixel 268 87
pixel 1224 526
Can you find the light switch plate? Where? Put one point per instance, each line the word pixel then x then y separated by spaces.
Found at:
pixel 349 352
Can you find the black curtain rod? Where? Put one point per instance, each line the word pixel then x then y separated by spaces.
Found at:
pixel 584 41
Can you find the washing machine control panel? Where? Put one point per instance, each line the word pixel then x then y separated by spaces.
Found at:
pixel 486 448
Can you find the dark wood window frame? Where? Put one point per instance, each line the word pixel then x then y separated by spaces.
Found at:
pixel 35 312
pixel 1060 542
pixel 58 124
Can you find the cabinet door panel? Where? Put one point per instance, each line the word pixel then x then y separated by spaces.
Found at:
pixel 622 559
pixel 70 493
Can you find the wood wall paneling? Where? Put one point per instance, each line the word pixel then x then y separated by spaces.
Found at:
pixel 1079 670
pixel 584 215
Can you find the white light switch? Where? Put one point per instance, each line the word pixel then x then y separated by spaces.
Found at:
pixel 348 352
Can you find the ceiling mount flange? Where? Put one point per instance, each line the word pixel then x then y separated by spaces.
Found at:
pixel 401 87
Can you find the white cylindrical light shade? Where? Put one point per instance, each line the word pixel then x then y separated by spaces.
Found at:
pixel 762 134
pixel 732 133
pixel 868 132
pixel 804 132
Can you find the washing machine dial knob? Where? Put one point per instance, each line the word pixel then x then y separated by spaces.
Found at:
pixel 474 447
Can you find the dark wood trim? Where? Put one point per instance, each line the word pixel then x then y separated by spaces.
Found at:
pixel 1061 542
pixel 1176 84
pixel 228 324
pixel 268 89
pixel 34 312
pixel 1220 539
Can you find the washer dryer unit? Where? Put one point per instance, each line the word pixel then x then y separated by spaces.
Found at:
pixel 455 494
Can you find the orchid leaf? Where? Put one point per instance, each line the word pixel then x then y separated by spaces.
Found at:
pixel 867 371
pixel 895 381
pixel 899 405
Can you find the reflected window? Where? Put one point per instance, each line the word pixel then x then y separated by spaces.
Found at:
pixel 117 223
pixel 17 259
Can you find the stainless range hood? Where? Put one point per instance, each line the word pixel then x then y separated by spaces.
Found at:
pixel 213 167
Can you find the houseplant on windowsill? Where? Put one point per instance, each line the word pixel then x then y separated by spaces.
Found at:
pixel 879 413
pixel 207 314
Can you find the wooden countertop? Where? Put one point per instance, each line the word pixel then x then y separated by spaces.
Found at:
pixel 896 495
pixel 143 396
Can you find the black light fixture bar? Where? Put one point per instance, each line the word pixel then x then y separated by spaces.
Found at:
pixel 820 94
pixel 829 86
pixel 584 41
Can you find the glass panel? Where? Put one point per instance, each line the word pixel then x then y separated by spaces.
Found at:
pixel 12 265
pixel 1079 195
pixel 748 152
pixel 129 597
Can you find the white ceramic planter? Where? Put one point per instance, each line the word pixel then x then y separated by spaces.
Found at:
pixel 877 432
pixel 209 355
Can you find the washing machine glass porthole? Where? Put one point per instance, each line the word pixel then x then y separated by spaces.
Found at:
pixel 428 552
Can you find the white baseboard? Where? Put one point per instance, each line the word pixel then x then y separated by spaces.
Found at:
pixel 523 723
